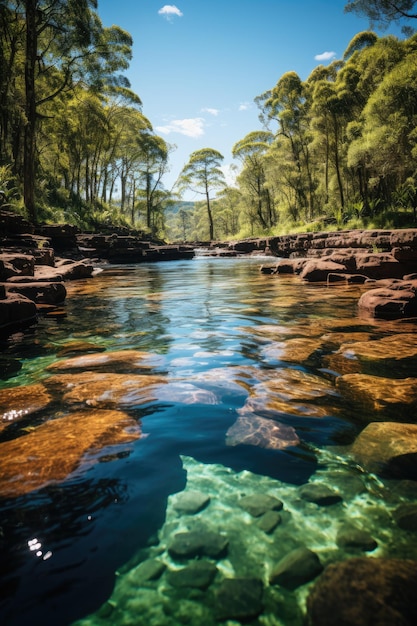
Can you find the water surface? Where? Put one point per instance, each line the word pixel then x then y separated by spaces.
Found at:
pixel 230 345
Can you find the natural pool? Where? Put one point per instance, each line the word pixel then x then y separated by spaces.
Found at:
pixel 220 386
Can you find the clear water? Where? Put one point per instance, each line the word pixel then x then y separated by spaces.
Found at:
pixel 217 330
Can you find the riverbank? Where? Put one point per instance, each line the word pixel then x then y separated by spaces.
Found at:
pixel 35 263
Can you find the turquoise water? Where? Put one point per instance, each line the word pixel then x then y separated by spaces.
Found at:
pixel 216 333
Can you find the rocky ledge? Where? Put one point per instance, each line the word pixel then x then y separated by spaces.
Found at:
pixel 36 262
pixel 384 262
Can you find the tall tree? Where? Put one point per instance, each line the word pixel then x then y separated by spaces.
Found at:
pixel 64 43
pixel 382 12
pixel 250 151
pixel 202 174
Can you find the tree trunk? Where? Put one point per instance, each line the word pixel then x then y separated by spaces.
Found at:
pixel 210 216
pixel 30 128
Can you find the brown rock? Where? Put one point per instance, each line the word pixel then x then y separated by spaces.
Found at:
pixel 377 394
pixel 120 361
pixel 18 402
pixel 15 310
pixel 396 353
pixel 389 303
pixel 365 592
pixel 105 390
pixel 55 449
pixel 379 265
pixel 388 449
pixel 39 292
pixel 318 270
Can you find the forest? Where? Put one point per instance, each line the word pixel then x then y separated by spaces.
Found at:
pixel 336 150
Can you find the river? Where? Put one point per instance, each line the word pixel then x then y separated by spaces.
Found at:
pixel 236 401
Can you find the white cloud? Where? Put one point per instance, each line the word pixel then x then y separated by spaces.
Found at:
pixel 211 111
pixel 325 56
pixel 245 106
pixel 169 10
pixel 191 127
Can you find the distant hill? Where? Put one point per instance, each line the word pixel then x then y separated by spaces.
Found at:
pixel 174 208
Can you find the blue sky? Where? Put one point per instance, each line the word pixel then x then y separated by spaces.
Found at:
pixel 198 64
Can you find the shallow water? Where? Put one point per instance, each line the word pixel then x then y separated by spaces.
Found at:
pixel 233 350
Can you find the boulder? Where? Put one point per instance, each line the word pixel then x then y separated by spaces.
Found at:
pixel 376 394
pixel 16 310
pixel 105 390
pixel 365 592
pixel 148 570
pixel 318 270
pixel 405 516
pixel 17 403
pixel 190 501
pixel 390 303
pixel 388 449
pixel 350 537
pixel 262 432
pixel 13 263
pixel 379 265
pixel 319 494
pixel 39 292
pixel 269 521
pixel 395 353
pixel 197 575
pixel 120 361
pixel 196 543
pixel 56 448
pixel 258 504
pixel 239 599
pixel 296 568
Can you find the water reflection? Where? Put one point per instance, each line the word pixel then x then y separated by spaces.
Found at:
pixel 239 376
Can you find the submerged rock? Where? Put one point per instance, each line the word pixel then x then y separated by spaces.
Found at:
pixel 198 575
pixel 269 521
pixel 388 303
pixel 194 543
pixel 190 501
pixel 56 448
pixel 378 394
pixel 151 569
pixel 406 516
pixel 259 503
pixel 388 449
pixel 239 599
pixel 119 361
pixel 396 353
pixel 296 568
pixel 18 402
pixel 105 390
pixel 320 494
pixel 365 592
pixel 350 536
pixel 263 432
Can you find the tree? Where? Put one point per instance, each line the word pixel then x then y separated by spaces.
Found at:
pixel 202 174
pixel 382 12
pixel 62 43
pixel 251 150
pixel 154 153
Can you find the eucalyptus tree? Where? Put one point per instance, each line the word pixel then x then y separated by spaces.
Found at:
pixel 154 154
pixel 250 151
pixel 288 105
pixel 383 12
pixel 61 44
pixel 202 174
pixel 388 141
